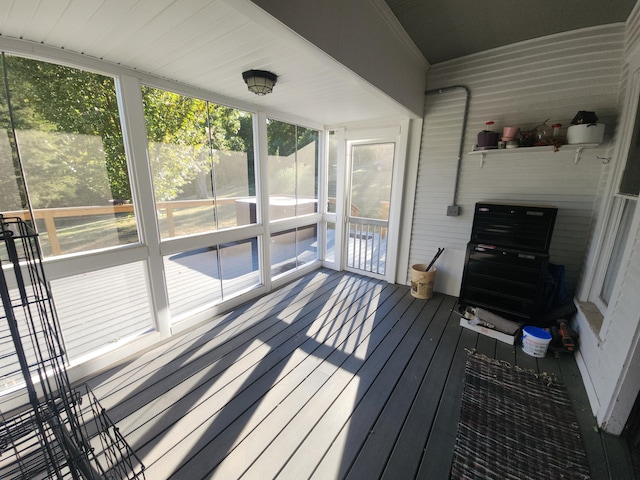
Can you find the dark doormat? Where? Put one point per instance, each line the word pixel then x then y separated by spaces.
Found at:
pixel 516 424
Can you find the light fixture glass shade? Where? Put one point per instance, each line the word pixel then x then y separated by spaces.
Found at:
pixel 259 82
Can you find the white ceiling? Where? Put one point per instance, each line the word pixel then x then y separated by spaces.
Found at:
pixel 205 44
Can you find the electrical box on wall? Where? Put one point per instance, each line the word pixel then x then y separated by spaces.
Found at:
pixel 453 210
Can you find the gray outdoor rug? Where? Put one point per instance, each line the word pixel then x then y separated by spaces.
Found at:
pixel 516 424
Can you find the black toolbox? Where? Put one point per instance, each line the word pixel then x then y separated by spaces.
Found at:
pixel 506 259
pixel 515 226
pixel 506 281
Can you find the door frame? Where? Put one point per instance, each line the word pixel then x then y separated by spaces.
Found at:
pixel 397 134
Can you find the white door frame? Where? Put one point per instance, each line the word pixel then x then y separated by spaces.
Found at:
pixel 397 135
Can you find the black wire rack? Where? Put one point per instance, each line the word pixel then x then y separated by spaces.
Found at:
pixel 48 430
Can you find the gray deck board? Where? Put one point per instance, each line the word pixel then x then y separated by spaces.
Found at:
pixel 337 374
pixel 237 364
pixel 363 422
pixel 345 389
pixel 263 397
pixel 223 331
pixel 441 440
pixel 381 439
pixel 333 376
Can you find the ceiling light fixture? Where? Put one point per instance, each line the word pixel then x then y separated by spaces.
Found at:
pixel 260 82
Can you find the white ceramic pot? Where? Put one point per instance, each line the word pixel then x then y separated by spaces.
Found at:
pixel 585 133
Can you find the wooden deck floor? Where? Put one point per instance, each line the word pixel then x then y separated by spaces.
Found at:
pixel 332 376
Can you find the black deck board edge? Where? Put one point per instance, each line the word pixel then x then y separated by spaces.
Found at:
pixel 591 435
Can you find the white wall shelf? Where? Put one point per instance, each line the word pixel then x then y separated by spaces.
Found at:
pixel 548 148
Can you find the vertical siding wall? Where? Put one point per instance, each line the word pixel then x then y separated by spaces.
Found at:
pixel 519 85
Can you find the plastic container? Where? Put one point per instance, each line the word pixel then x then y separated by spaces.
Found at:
pixel 585 133
pixel 509 133
pixel 488 138
pixel 535 341
pixel 422 282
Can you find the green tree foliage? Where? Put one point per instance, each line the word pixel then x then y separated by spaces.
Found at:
pixel 67 107
pixel 12 195
pixel 293 153
pixel 70 138
pixel 285 138
pixel 187 136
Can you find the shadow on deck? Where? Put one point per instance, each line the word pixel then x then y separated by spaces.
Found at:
pixel 334 376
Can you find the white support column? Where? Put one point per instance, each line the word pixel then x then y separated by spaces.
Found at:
pixel 135 144
pixel 341 201
pixel 262 196
pixel 411 160
pixel 395 214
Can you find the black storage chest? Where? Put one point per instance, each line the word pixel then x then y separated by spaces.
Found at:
pixel 504 280
pixel 506 259
pixel 515 226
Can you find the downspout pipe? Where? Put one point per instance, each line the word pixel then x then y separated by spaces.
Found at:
pixel 453 209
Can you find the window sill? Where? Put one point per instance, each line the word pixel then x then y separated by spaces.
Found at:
pixel 593 316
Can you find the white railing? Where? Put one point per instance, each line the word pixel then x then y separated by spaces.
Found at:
pixel 367 245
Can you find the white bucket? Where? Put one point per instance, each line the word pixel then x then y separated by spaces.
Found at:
pixel 585 133
pixel 422 282
pixel 535 341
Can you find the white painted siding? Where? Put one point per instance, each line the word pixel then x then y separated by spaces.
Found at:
pixel 518 85
pixel 611 365
pixel 633 30
pixel 609 359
